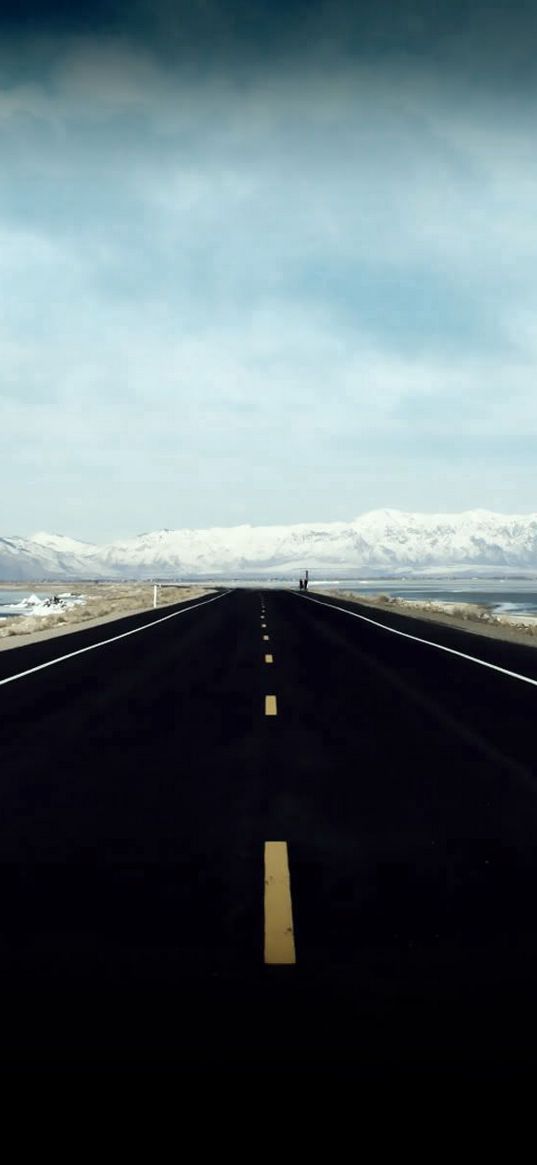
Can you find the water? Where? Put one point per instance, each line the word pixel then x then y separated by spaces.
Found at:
pixel 8 598
pixel 515 598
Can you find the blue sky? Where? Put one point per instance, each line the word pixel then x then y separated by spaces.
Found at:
pixel 280 287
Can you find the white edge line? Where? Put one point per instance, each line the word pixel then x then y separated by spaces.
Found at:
pixel 428 642
pixel 103 642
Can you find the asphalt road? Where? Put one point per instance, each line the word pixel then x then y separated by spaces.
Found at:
pixel 141 781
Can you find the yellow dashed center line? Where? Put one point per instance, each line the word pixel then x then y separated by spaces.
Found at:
pixel 279 936
pixel 269 659
pixel 265 637
pixel 271 707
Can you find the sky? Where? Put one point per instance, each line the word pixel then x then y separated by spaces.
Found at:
pixel 265 263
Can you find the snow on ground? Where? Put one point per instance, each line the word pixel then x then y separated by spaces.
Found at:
pixel 40 608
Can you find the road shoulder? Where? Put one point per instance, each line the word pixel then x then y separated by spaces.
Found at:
pixel 472 626
pixel 85 624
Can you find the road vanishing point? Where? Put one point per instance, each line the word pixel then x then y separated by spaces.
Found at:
pixel 270 831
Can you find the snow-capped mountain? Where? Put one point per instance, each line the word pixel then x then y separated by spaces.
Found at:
pixel 381 542
pixel 45 556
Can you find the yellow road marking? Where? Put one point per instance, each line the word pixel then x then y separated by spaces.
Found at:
pixel 279 936
pixel 269 659
pixel 271 707
pixel 264 625
pixel 265 637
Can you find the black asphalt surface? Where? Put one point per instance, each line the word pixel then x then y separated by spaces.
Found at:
pixel 139 783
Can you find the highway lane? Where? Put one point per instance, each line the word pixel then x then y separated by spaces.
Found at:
pixel 411 805
pixel 124 835
pixel 141 781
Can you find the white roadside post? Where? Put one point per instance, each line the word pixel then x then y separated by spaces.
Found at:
pixel 155 595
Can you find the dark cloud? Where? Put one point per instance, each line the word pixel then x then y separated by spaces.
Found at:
pixel 58 17
pixel 495 39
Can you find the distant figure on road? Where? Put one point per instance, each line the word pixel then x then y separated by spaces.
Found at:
pixel 305 584
pixel 301 584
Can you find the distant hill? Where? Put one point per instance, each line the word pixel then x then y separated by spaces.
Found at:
pixel 380 542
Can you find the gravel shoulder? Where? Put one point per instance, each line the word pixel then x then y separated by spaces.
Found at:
pixel 105 604
pixel 476 621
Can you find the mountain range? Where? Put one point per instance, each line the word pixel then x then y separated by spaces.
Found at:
pixel 381 542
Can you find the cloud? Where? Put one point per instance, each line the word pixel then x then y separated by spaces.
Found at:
pixel 493 43
pixel 303 281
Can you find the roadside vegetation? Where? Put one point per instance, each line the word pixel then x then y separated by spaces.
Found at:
pixel 101 601
pixel 476 614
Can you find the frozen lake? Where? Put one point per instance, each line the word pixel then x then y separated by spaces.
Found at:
pixel 10 599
